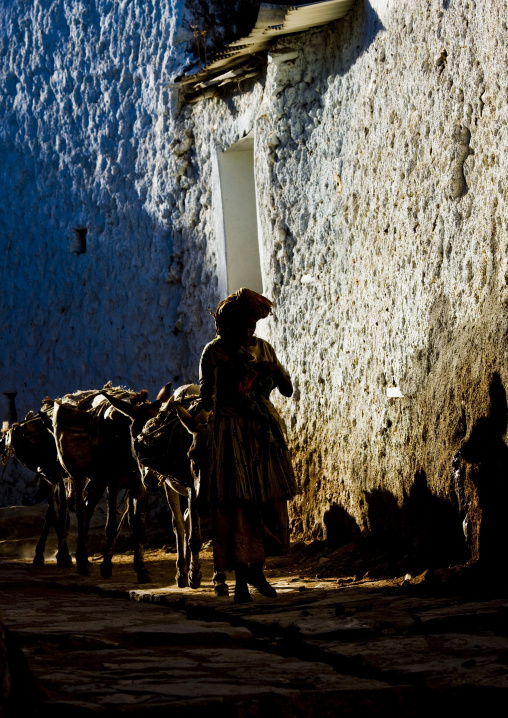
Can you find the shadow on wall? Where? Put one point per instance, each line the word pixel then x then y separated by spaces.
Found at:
pixel 352 34
pixel 340 527
pixel 483 464
pixel 438 531
pixel 425 529
pixel 55 332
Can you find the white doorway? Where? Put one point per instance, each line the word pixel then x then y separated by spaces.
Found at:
pixel 240 217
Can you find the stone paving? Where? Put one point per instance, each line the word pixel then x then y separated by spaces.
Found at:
pixel 324 647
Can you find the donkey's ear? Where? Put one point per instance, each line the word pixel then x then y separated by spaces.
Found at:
pixel 165 393
pixel 187 420
pixel 125 407
pixel 162 397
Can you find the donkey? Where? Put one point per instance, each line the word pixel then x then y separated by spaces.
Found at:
pixel 94 446
pixel 195 424
pixel 162 450
pixel 33 444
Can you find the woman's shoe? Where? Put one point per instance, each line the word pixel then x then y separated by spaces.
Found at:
pixel 242 594
pixel 256 578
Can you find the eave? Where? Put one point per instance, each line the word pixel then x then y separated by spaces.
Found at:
pixel 246 58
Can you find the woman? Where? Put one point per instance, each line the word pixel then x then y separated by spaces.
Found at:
pixel 249 470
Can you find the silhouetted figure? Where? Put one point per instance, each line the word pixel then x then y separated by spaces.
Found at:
pixel 249 468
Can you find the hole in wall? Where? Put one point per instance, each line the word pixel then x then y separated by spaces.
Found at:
pixel 78 244
pixel 9 411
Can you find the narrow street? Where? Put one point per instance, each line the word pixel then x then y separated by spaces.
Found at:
pixel 326 646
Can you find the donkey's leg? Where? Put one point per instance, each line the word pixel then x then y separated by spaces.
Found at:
pixel 63 557
pixel 187 525
pixel 47 490
pixel 138 498
pixel 41 543
pixel 182 577
pixel 81 549
pixel 111 529
pixel 94 491
pixel 194 541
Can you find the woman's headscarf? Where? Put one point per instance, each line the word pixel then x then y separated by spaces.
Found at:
pixel 240 305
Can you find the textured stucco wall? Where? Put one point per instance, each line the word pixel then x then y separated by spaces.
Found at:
pixel 84 134
pixel 404 271
pixel 85 127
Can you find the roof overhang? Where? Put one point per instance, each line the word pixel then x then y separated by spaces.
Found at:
pixel 246 58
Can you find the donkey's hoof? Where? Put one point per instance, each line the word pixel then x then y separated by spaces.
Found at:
pixel 84 570
pixel 64 560
pixel 38 561
pixel 106 569
pixel 144 576
pixel 182 580
pixel 221 589
pixel 195 580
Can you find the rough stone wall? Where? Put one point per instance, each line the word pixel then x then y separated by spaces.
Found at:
pixel 85 129
pixel 84 136
pixel 380 165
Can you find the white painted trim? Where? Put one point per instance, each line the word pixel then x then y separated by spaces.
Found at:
pixel 218 226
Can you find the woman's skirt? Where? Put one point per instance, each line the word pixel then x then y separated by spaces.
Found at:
pixel 244 465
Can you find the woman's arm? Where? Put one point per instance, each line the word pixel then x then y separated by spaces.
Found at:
pixel 283 381
pixel 274 368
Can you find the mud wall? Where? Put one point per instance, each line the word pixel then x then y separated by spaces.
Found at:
pixel 90 283
pixel 89 287
pixel 381 180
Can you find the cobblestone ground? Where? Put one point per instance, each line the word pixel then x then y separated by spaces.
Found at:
pixel 328 645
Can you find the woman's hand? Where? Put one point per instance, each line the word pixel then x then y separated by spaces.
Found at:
pixel 280 379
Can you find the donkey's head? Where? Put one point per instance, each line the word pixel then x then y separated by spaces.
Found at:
pixel 197 426
pixel 138 409
pixel 151 480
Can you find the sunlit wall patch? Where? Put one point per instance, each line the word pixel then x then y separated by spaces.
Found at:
pixel 394 392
